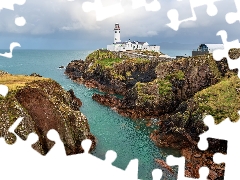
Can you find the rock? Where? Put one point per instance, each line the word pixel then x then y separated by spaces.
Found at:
pixel 35 75
pixel 164 165
pixel 197 155
pixel 45 105
pixel 75 102
pixel 194 163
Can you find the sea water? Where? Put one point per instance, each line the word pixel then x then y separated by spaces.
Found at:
pixel 113 132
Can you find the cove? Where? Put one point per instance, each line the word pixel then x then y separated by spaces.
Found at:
pixel 128 138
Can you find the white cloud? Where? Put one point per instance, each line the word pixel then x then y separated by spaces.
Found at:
pixel 61 16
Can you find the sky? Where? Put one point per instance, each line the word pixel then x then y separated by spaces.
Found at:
pixel 62 24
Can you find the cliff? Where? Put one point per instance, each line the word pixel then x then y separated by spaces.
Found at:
pixel 171 95
pixel 45 105
pixel 112 72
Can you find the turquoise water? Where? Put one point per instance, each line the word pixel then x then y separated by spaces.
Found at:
pixel 112 131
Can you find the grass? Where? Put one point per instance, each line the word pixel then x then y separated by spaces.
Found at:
pixel 221 100
pixel 15 81
pixel 108 62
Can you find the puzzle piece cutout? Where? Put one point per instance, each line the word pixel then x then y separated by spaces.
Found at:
pixel 9 4
pixel 152 6
pixel 68 166
pixel 231 135
pixel 102 12
pixel 232 17
pixel 173 14
pixel 180 162
pixel 223 53
pixel 3 90
pixel 12 46
pixel 19 21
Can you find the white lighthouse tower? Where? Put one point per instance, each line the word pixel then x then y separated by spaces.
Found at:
pixel 117 33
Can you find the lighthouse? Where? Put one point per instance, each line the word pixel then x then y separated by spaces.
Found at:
pixel 117 45
pixel 117 33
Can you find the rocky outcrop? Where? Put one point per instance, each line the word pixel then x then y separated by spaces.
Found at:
pixel 175 82
pixel 177 94
pixel 112 72
pixel 45 105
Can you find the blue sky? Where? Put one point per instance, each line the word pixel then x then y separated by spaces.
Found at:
pixel 60 24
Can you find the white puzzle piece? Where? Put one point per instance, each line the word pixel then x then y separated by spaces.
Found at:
pixel 19 21
pixel 153 6
pixel 173 14
pixel 232 17
pixel 226 130
pixel 65 167
pixel 3 90
pixel 180 162
pixel 221 53
pixel 102 12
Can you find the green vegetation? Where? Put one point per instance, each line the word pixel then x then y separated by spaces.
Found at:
pixel 102 54
pixel 144 95
pixel 164 87
pixel 108 62
pixel 178 75
pixel 221 100
pixel 157 91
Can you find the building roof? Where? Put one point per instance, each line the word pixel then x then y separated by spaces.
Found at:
pixel 120 43
pixel 135 42
pixel 141 42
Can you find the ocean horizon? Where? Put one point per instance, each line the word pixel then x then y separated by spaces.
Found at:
pixel 170 52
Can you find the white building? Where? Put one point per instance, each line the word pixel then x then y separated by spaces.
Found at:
pixel 128 45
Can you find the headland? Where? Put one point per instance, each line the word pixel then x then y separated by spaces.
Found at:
pixel 173 95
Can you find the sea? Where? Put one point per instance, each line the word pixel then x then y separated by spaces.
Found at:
pixel 129 138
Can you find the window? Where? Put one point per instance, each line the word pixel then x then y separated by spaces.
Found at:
pixel 119 31
pixel 115 31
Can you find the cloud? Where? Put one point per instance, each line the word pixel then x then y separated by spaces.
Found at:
pixel 65 20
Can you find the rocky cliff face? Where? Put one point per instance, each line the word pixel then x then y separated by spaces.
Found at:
pixel 175 82
pixel 45 105
pixel 112 72
pixel 177 94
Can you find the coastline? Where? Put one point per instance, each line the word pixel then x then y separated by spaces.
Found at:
pixel 127 107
